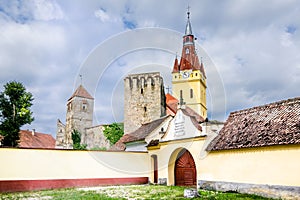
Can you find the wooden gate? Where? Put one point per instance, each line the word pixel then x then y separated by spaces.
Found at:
pixel 185 169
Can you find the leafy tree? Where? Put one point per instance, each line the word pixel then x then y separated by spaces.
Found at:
pixel 76 137
pixel 114 132
pixel 15 112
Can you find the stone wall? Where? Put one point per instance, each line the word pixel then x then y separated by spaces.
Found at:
pixel 144 100
pixel 60 134
pixel 94 138
pixel 269 191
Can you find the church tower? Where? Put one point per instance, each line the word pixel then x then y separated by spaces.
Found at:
pixel 188 76
pixel 80 108
pixel 144 100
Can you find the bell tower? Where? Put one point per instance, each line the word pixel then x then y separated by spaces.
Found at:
pixel 188 75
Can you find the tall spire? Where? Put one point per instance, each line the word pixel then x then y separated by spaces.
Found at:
pixel 188 27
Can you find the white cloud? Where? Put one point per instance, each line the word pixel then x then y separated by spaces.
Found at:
pixel 47 10
pixel 102 15
pixel 255 47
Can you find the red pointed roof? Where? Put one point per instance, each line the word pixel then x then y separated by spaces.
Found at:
pixel 81 92
pixel 176 66
pixel 189 59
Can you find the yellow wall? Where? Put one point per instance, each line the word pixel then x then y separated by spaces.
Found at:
pixel 197 84
pixel 278 165
pixel 31 164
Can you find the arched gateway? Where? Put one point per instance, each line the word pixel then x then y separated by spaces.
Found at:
pixel 185 169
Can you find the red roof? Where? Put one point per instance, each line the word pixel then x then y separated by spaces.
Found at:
pixel 36 140
pixel 272 124
pixel 171 104
pixel 81 92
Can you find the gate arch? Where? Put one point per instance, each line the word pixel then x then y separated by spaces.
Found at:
pixel 185 169
pixel 182 168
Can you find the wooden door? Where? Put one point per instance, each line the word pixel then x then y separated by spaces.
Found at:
pixel 185 170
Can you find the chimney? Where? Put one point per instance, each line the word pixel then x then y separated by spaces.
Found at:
pixel 33 132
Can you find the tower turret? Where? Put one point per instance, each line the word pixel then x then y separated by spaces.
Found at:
pixel 188 76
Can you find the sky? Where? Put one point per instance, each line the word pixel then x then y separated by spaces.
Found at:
pixel 250 50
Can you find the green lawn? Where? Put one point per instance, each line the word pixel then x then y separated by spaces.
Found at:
pixel 123 192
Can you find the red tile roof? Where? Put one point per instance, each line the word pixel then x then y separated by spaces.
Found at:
pixel 171 104
pixel 272 124
pixel 81 92
pixel 38 140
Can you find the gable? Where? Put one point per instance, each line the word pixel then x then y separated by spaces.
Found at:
pixel 183 126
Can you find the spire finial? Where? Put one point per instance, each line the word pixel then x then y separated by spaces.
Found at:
pixel 80 75
pixel 188 28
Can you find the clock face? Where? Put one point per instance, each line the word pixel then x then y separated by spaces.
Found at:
pixel 185 74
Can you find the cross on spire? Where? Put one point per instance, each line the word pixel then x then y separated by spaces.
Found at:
pixel 188 11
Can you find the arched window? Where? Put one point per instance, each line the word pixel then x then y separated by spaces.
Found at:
pixel 187 51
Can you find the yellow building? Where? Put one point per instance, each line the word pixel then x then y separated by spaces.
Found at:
pixel 188 75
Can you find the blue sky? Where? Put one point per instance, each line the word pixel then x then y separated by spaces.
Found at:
pixel 251 51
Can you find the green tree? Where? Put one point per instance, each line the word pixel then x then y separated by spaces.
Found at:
pixel 76 137
pixel 114 132
pixel 15 112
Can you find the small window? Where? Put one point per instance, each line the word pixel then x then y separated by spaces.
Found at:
pixel 84 106
pixel 175 76
pixel 145 109
pixel 196 74
pixel 142 91
pixel 187 51
pixel 191 93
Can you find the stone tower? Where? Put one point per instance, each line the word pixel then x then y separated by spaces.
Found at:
pixel 80 108
pixel 188 75
pixel 144 100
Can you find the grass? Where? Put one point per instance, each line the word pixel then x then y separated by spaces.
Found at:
pixel 123 192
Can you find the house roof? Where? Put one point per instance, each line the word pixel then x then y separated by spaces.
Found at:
pixel 195 117
pixel 272 124
pixel 140 134
pixel 38 140
pixel 172 104
pixel 81 92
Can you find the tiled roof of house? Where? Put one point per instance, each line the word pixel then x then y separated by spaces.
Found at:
pixel 272 124
pixel 140 134
pixel 171 104
pixel 81 92
pixel 36 140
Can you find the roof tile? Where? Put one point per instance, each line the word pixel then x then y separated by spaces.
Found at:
pixel 272 124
